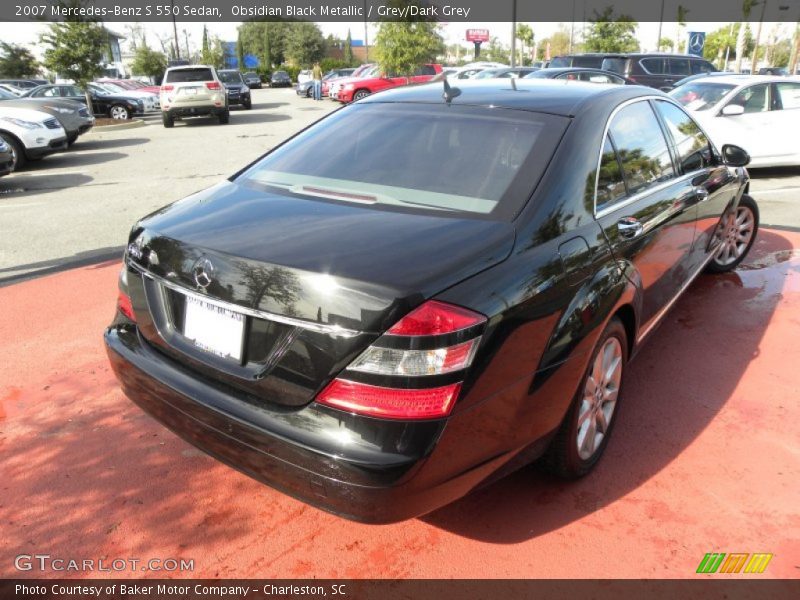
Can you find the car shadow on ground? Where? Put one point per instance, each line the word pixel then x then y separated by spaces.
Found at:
pixel 674 388
pixel 73 159
pixel 94 258
pixel 95 144
pixel 773 172
pixel 19 185
pixel 268 105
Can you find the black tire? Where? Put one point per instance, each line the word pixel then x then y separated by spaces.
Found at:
pixel 224 117
pixel 71 140
pixel 737 251
pixel 17 152
pixel 119 112
pixel 562 457
pixel 248 105
pixel 168 120
pixel 308 93
pixel 359 94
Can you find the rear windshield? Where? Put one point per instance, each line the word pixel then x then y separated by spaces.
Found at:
pixel 431 157
pixel 700 95
pixel 560 62
pixel 185 75
pixel 230 76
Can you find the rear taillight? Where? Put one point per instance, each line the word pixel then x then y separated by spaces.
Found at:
pixel 167 88
pixel 419 362
pixel 213 85
pixel 125 306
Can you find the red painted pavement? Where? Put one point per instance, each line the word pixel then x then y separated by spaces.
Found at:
pixel 704 458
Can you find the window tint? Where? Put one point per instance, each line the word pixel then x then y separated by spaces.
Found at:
pixel 753 99
pixel 641 146
pixel 694 149
pixel 591 62
pixel 442 157
pixel 559 62
pixel 654 66
pixel 187 75
pixel 425 70
pixel 613 64
pixel 788 95
pixel 678 66
pixel 610 185
pixel 230 77
pixel 52 92
pixel 73 91
pixel 699 95
pixel 702 66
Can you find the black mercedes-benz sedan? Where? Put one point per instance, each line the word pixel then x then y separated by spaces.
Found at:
pixel 427 289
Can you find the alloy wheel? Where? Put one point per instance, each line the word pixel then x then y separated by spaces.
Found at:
pixel 119 112
pixel 734 234
pixel 599 399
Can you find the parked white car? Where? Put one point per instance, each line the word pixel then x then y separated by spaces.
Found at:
pixel 32 134
pixel 304 76
pixel 759 113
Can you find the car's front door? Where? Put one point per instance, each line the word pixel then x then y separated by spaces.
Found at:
pixel 748 129
pixel 699 160
pixel 646 208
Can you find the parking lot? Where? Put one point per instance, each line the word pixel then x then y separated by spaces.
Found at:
pixel 704 458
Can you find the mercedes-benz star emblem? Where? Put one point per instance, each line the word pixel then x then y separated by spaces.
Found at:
pixel 696 43
pixel 203 271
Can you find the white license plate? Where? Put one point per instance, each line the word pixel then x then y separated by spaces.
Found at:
pixel 190 91
pixel 213 328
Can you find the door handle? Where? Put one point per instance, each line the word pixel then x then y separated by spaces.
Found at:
pixel 630 227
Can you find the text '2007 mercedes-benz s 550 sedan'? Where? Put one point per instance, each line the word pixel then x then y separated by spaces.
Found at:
pixel 424 291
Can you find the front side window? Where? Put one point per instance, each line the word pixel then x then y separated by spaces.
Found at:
pixel 753 99
pixel 694 150
pixel 641 147
pixel 420 157
pixel 678 66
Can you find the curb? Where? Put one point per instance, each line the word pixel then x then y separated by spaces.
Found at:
pixel 132 125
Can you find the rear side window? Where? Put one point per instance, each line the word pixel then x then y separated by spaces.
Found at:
pixel 613 64
pixel 654 66
pixel 702 66
pixel 425 70
pixel 678 66
pixel 694 150
pixel 610 184
pixel 788 95
pixel 188 75
pixel 456 159
pixel 641 147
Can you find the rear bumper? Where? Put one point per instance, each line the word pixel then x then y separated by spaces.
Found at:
pixel 382 472
pixel 194 111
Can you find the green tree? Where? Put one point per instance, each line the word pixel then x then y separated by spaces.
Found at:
pixel 525 36
pixel 559 42
pixel 666 44
pixel 496 52
pixel 348 49
pixel 239 52
pixel 608 34
pixel 680 20
pixel 305 43
pixel 205 47
pixel 724 38
pixel 74 49
pixel 779 53
pixel 17 61
pixel 259 37
pixel 402 46
pixel 148 62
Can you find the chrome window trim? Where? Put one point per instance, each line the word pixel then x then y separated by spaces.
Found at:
pixel 627 201
pixel 335 330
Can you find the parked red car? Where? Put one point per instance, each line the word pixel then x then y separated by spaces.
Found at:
pixel 329 84
pixel 357 89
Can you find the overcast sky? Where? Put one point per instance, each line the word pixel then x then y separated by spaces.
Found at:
pixel 28 33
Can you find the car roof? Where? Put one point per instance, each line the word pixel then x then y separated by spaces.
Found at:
pixel 552 96
pixel 739 79
pixel 183 67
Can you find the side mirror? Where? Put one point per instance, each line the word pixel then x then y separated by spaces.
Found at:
pixel 732 110
pixel 735 156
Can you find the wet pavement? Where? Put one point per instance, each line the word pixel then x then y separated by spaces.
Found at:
pixel 704 458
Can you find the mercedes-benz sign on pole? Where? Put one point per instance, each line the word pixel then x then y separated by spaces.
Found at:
pixel 697 41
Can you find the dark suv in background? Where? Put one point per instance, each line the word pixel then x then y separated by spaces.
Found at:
pixel 656 70
pixel 659 71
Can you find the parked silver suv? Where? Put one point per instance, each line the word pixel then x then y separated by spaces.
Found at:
pixel 192 90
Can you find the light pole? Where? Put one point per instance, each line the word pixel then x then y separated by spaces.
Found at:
pixel 175 29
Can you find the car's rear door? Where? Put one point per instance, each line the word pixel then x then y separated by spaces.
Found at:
pixel 646 209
